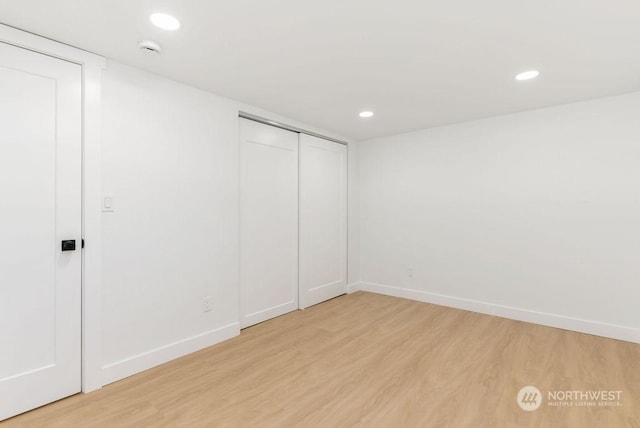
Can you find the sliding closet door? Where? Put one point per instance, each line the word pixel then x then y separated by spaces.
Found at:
pixel 323 220
pixel 268 222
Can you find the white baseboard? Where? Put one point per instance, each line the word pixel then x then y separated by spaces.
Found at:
pixel 353 287
pixel 628 334
pixel 136 364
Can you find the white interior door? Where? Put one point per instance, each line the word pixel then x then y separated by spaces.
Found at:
pixel 323 220
pixel 268 222
pixel 40 205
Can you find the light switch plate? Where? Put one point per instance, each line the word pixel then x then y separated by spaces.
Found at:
pixel 108 203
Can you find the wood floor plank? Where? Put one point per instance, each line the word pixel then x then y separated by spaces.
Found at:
pixel 366 360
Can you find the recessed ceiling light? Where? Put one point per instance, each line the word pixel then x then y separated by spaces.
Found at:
pixel 164 21
pixel 366 113
pixel 531 74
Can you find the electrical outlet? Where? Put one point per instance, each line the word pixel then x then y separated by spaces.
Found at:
pixel 410 272
pixel 207 304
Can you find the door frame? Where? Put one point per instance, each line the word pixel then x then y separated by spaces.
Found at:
pixel 92 66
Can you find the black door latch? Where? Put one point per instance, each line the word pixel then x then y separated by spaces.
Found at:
pixel 69 245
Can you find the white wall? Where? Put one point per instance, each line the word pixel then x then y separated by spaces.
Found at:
pixel 170 160
pixel 532 216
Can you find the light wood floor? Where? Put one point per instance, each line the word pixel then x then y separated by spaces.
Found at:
pixel 371 361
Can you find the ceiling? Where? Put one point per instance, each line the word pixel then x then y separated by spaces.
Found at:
pixel 415 63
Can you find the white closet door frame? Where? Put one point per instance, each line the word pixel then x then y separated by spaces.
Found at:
pixel 313 288
pixel 92 66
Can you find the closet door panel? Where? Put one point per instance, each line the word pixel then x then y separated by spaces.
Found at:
pixel 323 220
pixel 268 222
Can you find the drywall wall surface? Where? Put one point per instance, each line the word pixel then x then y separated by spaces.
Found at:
pixel 532 215
pixel 170 164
